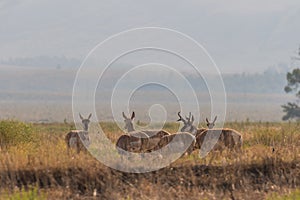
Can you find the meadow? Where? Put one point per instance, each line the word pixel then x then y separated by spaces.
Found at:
pixel 34 164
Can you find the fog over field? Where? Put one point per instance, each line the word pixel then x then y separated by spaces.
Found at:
pixel 43 43
pixel 45 95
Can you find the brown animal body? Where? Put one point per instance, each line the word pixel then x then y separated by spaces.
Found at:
pixel 148 139
pixel 216 139
pixel 154 137
pixel 77 139
pixel 123 143
pixel 228 138
pixel 136 142
pixel 179 142
pixel 200 130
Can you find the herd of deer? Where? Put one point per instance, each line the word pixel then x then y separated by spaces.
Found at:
pixel 153 140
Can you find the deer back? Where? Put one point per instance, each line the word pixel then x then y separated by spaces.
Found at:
pixel 141 139
pixel 154 137
pixel 123 143
pixel 233 138
pixel 181 137
pixel 133 142
pixel 228 138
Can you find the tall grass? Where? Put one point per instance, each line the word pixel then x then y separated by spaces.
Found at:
pixel 268 164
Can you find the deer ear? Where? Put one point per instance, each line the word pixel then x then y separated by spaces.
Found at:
pixel 90 116
pixel 133 115
pixel 80 116
pixel 125 117
pixel 193 118
pixel 207 120
pixel 215 119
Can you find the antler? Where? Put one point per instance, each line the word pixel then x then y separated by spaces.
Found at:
pixel 190 114
pixel 188 118
pixel 192 121
pixel 180 118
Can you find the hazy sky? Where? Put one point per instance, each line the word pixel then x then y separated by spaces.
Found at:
pixel 248 35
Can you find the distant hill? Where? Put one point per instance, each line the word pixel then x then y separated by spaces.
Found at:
pixel 254 83
pixel 45 80
pixel 43 61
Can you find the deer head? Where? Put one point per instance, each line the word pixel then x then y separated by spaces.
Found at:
pixel 128 122
pixel 209 124
pixel 188 124
pixel 85 121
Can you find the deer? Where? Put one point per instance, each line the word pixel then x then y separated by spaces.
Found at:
pixel 139 141
pixel 187 134
pixel 188 125
pixel 79 138
pixel 175 143
pixel 151 133
pixel 228 138
pixel 129 143
pixel 133 141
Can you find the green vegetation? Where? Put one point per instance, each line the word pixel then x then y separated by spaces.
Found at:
pixel 292 109
pixel 295 195
pixel 30 194
pixel 15 132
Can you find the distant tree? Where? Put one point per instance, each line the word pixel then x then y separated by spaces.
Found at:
pixel 292 110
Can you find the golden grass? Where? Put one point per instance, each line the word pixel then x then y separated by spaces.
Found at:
pixel 257 172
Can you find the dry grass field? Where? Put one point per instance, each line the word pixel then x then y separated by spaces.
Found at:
pixel 40 168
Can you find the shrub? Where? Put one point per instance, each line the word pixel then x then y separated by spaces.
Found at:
pixel 15 132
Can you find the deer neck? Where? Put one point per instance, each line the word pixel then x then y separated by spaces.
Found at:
pixel 85 127
pixel 193 130
pixel 130 128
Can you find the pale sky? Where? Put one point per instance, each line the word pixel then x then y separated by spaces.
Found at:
pixel 248 36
